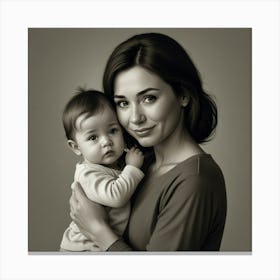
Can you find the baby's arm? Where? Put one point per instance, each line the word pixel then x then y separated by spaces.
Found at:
pixel 109 191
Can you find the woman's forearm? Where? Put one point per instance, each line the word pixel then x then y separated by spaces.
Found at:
pixel 91 218
pixel 104 236
pixel 119 246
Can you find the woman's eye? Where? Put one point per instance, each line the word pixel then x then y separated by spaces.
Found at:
pixel 114 130
pixel 122 104
pixel 149 98
pixel 92 138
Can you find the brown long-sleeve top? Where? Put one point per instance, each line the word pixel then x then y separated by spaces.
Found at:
pixel 182 210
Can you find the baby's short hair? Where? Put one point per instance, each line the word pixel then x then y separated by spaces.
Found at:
pixel 87 102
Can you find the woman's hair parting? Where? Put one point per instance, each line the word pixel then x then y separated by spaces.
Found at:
pixel 88 102
pixel 166 58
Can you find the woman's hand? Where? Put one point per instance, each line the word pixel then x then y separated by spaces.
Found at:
pixel 91 218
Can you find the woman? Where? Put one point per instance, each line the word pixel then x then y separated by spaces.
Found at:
pixel 181 203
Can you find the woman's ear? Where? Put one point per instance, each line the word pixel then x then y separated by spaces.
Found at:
pixel 184 99
pixel 74 147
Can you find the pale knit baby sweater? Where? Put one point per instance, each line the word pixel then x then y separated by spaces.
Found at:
pixel 109 187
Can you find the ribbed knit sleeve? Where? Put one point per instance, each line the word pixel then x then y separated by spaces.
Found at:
pixel 109 189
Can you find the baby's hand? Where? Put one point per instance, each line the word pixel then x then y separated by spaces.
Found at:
pixel 134 157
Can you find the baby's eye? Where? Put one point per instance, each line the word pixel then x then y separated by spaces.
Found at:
pixel 122 104
pixel 149 98
pixel 92 138
pixel 113 130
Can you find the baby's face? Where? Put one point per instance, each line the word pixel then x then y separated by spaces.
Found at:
pixel 99 137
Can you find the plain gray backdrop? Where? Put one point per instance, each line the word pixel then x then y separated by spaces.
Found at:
pixel 60 60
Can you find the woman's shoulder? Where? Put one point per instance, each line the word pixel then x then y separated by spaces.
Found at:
pixel 195 174
pixel 198 165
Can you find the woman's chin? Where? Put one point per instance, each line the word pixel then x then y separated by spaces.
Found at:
pixel 146 142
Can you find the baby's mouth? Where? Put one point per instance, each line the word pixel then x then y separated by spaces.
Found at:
pixel 109 153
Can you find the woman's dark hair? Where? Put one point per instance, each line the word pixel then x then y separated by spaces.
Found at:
pixel 163 56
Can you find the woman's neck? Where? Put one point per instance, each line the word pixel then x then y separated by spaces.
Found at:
pixel 177 147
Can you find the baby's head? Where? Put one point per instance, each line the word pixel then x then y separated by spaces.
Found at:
pixel 92 128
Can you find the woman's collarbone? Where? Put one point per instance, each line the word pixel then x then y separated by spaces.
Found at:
pixel 162 168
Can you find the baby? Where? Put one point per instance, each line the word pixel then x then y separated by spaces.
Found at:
pixel 93 132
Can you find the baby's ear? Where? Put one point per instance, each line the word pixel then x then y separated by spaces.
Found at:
pixel 74 147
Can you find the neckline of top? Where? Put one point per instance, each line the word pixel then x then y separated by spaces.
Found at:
pixel 179 164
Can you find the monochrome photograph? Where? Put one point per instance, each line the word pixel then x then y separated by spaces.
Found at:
pixel 139 140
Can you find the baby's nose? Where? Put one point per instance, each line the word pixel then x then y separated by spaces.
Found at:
pixel 106 141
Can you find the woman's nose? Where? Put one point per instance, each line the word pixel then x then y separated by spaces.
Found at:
pixel 137 115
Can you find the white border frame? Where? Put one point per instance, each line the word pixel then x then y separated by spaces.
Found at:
pixel 17 16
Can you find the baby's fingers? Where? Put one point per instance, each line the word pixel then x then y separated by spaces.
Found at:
pixel 138 151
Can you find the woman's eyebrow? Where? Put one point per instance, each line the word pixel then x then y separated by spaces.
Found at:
pixel 139 93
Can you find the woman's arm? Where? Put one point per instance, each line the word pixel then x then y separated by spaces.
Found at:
pixel 182 220
pixel 91 218
pixel 184 223
pixel 191 217
pixel 180 224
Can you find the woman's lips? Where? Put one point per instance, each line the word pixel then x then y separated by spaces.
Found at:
pixel 141 132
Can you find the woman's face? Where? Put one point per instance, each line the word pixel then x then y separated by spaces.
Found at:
pixel 146 106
